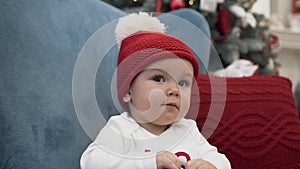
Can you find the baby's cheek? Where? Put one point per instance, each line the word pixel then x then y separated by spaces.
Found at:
pixel 156 97
pixel 185 103
pixel 186 95
pixel 154 109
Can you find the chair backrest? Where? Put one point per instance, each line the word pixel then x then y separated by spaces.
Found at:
pixel 40 41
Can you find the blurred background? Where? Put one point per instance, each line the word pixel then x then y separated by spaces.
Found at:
pixel 266 32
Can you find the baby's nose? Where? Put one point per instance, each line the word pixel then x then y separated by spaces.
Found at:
pixel 173 90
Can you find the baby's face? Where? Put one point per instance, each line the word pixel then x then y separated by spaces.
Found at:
pixel 161 93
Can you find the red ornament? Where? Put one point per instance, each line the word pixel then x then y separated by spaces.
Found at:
pixel 177 4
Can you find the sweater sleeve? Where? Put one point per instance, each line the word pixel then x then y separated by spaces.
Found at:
pixel 209 152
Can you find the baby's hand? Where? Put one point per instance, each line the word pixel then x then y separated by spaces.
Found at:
pixel 199 164
pixel 165 159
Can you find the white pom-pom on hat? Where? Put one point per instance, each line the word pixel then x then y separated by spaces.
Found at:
pixel 135 22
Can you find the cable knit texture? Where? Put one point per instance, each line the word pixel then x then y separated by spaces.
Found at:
pixel 259 127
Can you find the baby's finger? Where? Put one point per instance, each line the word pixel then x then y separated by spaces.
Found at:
pixel 174 161
pixel 168 160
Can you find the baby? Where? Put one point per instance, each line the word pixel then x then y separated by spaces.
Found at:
pixel 155 78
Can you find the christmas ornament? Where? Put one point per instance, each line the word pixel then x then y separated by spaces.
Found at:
pixel 177 4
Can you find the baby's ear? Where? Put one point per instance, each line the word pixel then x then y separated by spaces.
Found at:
pixel 127 98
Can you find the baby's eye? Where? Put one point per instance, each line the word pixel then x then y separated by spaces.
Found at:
pixel 159 78
pixel 183 83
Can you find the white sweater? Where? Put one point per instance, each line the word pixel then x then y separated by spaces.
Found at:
pixel 123 144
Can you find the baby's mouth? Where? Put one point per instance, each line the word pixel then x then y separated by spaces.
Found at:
pixel 171 105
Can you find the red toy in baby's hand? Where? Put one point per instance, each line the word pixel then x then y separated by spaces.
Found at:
pixel 183 157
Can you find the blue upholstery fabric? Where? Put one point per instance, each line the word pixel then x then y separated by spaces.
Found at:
pixel 39 43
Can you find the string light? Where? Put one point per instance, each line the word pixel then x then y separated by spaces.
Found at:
pixel 191 2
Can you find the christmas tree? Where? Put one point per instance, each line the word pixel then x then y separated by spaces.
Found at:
pixel 237 33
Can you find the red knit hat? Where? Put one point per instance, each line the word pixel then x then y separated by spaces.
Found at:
pixel 142 48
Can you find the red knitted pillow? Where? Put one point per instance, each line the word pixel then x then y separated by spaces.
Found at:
pixel 259 127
